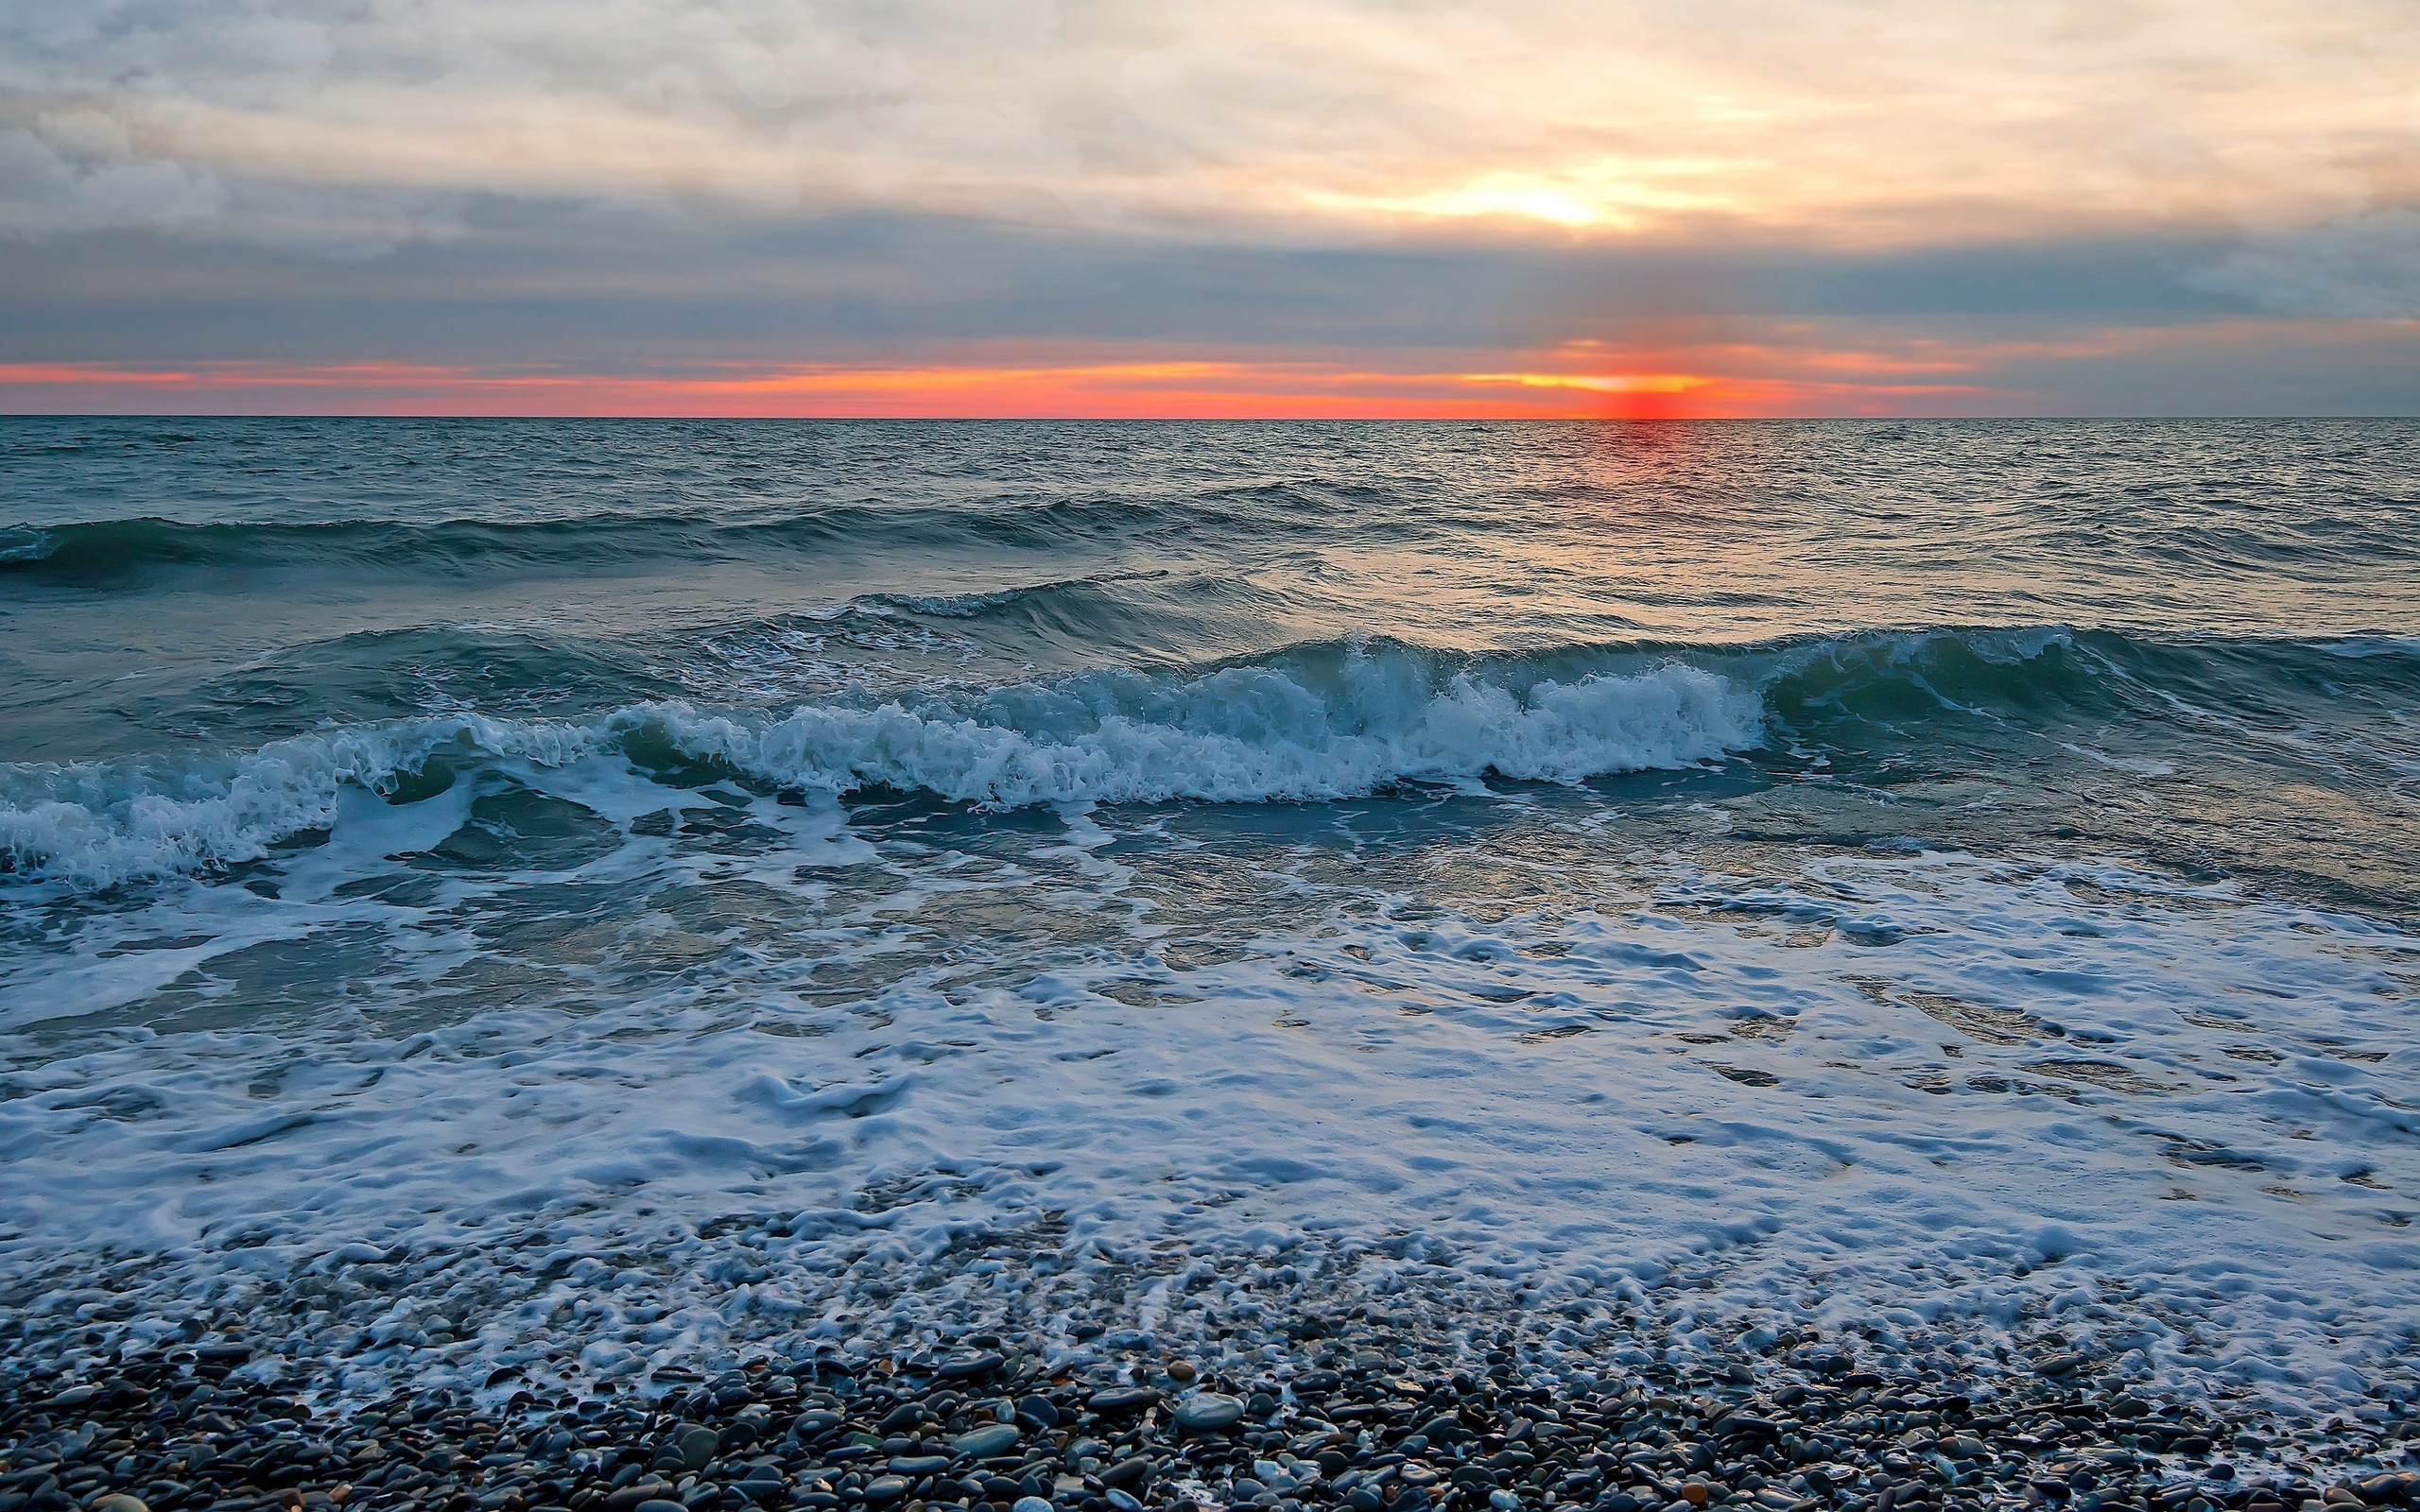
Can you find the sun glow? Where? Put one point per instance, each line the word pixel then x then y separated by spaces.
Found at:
pixel 1611 195
pixel 1622 383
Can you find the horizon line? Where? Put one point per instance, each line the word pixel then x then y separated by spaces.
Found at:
pixel 1176 418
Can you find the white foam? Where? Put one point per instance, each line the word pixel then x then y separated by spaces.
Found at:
pixel 2167 1121
pixel 1241 734
pixel 101 824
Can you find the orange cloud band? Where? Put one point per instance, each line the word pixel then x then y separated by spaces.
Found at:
pixel 1163 389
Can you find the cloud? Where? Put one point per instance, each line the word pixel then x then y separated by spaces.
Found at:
pixel 1682 368
pixel 77 172
pixel 1515 202
pixel 1321 121
pixel 2367 267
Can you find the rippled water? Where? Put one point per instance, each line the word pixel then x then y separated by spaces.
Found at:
pixel 1898 865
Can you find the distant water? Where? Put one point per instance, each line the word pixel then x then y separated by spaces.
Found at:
pixel 1931 865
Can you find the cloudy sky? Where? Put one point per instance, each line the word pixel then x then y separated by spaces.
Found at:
pixel 1232 207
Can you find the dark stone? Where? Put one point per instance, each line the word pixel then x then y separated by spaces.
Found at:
pixel 969 1366
pixel 1210 1412
pixel 987 1442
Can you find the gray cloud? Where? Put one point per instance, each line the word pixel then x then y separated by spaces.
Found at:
pixel 2367 267
pixel 1326 122
pixel 561 183
pixel 77 171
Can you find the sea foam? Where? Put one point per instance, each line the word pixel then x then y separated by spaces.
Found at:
pixel 1274 731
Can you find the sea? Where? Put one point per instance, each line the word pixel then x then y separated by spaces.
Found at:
pixel 832 886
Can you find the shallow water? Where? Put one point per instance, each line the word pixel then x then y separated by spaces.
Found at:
pixel 1922 873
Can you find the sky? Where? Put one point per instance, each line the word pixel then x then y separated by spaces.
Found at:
pixel 1235 207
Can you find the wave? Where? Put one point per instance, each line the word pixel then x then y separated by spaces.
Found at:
pixel 1321 722
pixel 102 550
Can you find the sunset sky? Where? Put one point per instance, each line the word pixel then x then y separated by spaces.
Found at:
pixel 1314 207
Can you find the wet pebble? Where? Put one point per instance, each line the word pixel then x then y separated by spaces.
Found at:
pixel 988 1443
pixel 1209 1411
pixel 1338 1422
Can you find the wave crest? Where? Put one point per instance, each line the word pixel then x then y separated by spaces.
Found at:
pixel 1324 724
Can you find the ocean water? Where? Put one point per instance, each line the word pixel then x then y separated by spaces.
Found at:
pixel 841 882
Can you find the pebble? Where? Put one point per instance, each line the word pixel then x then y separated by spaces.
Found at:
pixel 988 1443
pixel 696 1445
pixel 1128 1399
pixel 1335 1420
pixel 1209 1411
pixel 1127 1473
pixel 969 1366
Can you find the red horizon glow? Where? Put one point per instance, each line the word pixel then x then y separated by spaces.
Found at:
pixel 1162 390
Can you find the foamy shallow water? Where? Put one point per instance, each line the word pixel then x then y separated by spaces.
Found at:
pixel 573 898
pixel 1902 1091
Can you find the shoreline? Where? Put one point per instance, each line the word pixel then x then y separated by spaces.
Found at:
pixel 1286 1386
pixel 1343 1422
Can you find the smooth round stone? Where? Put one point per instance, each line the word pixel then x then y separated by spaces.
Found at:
pixel 696 1444
pixel 913 1465
pixel 1030 1504
pixel 1120 1501
pixel 884 1489
pixel 968 1367
pixel 1209 1411
pixel 1124 1398
pixel 657 1504
pixel 120 1503
pixel 986 1443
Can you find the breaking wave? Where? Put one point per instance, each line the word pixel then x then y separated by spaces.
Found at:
pixel 1324 723
pixel 1320 721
